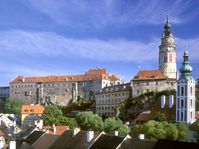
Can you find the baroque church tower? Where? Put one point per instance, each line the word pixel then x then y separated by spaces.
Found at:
pixel 167 53
pixel 185 95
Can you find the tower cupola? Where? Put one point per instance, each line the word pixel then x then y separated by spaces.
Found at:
pixel 185 69
pixel 167 28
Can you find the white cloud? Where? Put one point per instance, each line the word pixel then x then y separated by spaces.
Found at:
pixel 108 12
pixel 49 44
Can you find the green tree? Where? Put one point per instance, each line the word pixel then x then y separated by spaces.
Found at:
pixel 88 120
pixel 13 106
pixel 160 117
pixel 159 130
pixel 123 130
pixel 183 132
pixel 111 125
pixel 53 115
pixel 155 129
pixel 171 131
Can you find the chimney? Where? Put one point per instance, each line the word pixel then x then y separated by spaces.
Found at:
pixel 171 99
pixel 75 131
pixel 54 129
pixel 141 136
pixel 90 135
pixel 36 123
pixel 163 101
pixel 12 145
pixel 23 79
pixel 116 133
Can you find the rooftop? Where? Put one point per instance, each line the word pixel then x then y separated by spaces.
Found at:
pixel 92 74
pixel 116 88
pixel 32 109
pixel 150 75
pixel 59 129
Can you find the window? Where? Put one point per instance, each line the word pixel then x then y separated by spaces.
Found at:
pixel 182 91
pixel 182 103
pixel 156 82
pixel 185 115
pixel 185 90
pixel 165 59
pixel 147 83
pixel 182 115
pixel 137 91
pixel 178 103
pixel 178 90
pixel 178 115
pixel 191 90
pixel 185 102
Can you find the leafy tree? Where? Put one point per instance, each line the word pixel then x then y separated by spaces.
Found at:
pixel 137 129
pixel 87 120
pixel 160 117
pixel 183 132
pixel 111 125
pixel 155 130
pixel 171 131
pixel 161 130
pixel 13 106
pixel 123 130
pixel 53 115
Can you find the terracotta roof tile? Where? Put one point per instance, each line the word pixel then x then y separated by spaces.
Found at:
pixel 59 129
pixel 32 109
pixel 150 75
pixel 92 74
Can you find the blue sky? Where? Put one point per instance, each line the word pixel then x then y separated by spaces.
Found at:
pixel 57 37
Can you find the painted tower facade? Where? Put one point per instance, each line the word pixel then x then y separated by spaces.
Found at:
pixel 185 95
pixel 167 53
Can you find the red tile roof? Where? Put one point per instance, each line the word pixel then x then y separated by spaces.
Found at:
pixel 150 75
pixel 92 74
pixel 59 129
pixel 32 109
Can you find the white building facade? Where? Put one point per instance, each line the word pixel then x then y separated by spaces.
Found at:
pixel 185 95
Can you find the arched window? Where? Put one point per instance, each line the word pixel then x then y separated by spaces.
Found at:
pixel 165 58
pixel 182 91
pixel 182 115
pixel 191 90
pixel 182 103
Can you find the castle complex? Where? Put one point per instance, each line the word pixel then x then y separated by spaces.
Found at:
pixel 61 89
pixel 164 78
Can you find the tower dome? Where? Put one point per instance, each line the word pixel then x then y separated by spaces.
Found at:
pixel 185 69
pixel 167 28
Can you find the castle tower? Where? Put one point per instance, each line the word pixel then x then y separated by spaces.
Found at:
pixel 185 95
pixel 167 52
